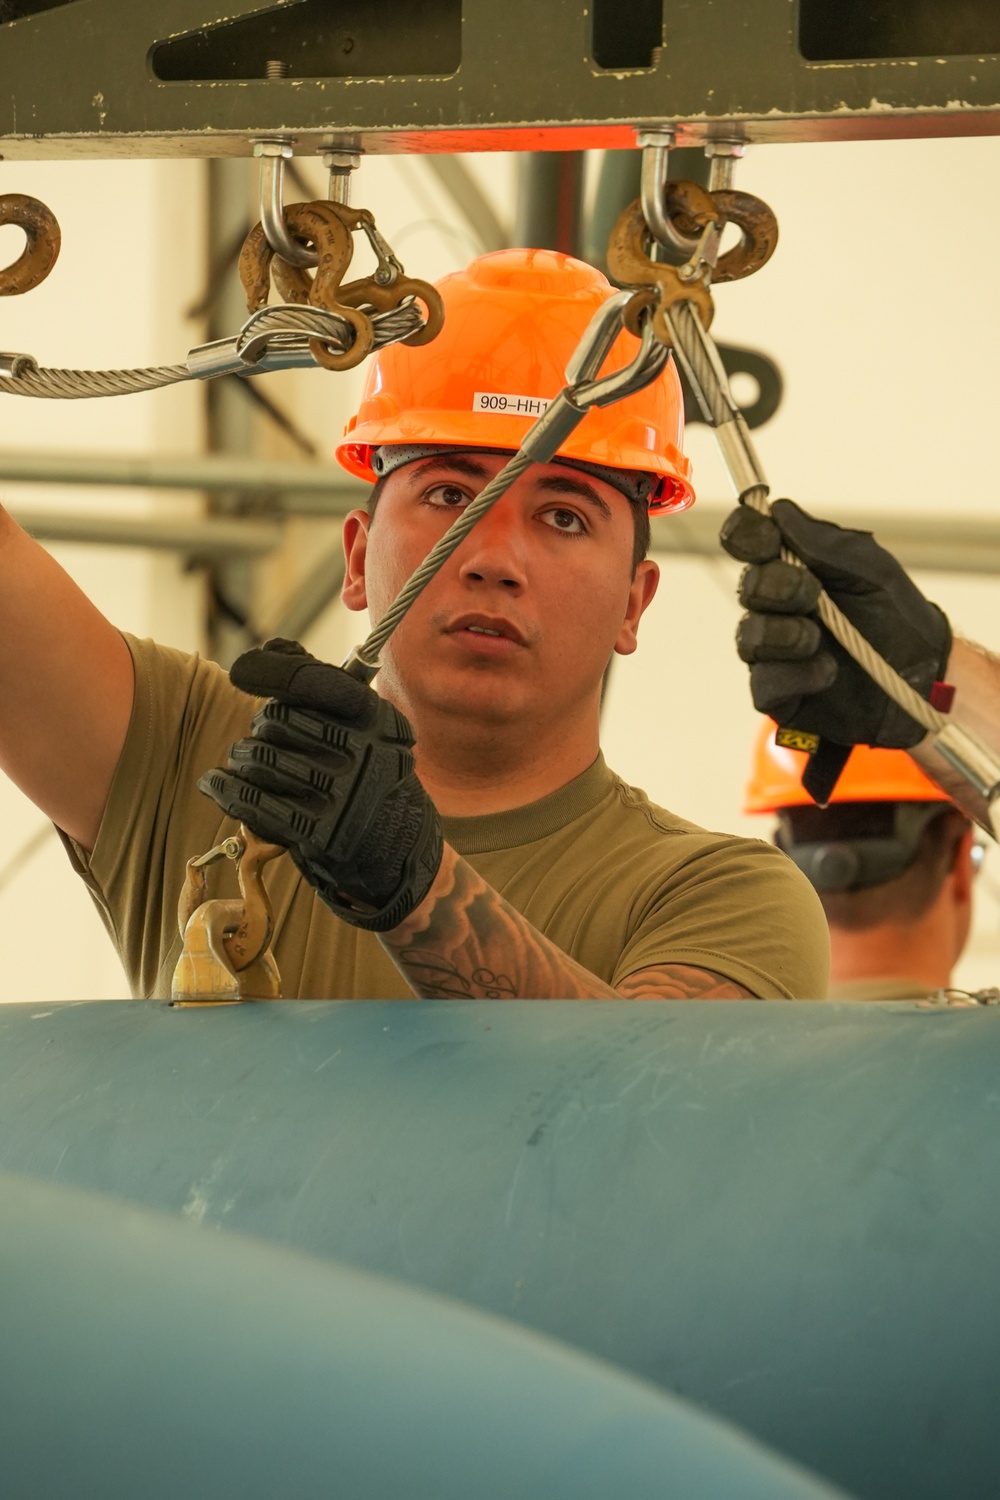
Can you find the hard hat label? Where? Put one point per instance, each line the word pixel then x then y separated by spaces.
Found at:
pixel 515 406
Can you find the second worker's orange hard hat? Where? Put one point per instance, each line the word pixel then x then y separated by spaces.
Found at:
pixel 512 320
pixel 870 775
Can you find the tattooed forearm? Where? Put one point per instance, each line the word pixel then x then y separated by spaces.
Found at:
pixel 681 982
pixel 434 977
pixel 464 941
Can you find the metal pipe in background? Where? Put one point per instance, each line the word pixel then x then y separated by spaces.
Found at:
pixel 212 472
pixel 208 540
pixel 956 545
pixel 549 214
pixel 964 544
pixel 314 595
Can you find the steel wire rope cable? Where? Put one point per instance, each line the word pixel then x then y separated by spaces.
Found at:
pixel 69 385
pixel 711 380
pixel 964 751
pixel 286 325
pixel 367 654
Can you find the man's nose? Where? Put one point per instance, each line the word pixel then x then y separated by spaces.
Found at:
pixel 494 552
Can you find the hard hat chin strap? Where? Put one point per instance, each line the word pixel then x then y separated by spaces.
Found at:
pixel 636 485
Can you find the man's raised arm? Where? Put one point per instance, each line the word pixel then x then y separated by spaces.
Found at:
pixel 66 688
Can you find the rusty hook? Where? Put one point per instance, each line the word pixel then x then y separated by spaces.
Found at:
pixel 629 264
pixel 328 226
pixel 386 298
pixel 759 228
pixel 43 240
pixel 691 208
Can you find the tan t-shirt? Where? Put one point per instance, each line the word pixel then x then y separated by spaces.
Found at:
pixel 613 880
pixel 881 989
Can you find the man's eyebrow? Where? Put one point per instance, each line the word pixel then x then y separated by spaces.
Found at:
pixel 557 484
pixel 461 463
pixel 568 485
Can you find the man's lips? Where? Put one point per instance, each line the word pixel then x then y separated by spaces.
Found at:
pixel 490 633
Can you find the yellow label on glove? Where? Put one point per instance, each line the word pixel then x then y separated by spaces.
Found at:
pixel 797 739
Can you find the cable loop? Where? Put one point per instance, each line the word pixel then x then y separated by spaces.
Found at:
pixel 275 338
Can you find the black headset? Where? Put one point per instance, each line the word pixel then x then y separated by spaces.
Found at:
pixel 854 864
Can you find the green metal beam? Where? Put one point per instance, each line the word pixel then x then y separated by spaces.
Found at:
pixel 187 77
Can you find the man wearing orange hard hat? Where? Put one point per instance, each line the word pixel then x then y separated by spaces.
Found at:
pixel 456 833
pixel 890 857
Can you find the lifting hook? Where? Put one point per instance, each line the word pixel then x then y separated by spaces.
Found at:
pixel 226 955
pixel 330 228
pixel 630 265
pixel 40 253
pixel 691 208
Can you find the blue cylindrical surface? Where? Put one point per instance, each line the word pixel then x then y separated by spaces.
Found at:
pixel 144 1359
pixel 786 1212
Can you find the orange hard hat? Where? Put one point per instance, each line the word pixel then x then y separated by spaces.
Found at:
pixel 870 775
pixel 512 321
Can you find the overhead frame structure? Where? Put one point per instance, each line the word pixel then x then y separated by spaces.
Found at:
pixel 187 77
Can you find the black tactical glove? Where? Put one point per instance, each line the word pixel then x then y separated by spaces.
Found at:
pixel 327 770
pixel 799 674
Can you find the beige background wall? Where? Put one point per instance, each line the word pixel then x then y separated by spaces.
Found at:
pixel 884 328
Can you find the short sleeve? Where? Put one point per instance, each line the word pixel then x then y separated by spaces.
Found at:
pixel 740 908
pixel 184 717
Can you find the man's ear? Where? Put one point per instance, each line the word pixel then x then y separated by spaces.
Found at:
pixel 640 596
pixel 963 869
pixel 354 593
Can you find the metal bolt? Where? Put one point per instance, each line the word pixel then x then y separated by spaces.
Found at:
pixel 662 135
pixel 340 165
pixel 723 156
pixel 274 68
pixel 345 161
pixel 272 147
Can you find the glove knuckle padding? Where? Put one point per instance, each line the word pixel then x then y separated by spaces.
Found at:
pixel 779 687
pixel 840 702
pixel 283 670
pixel 379 845
pixel 266 815
pixel 750 536
pixel 282 771
pixel 777 637
pixel 779 587
pixel 344 798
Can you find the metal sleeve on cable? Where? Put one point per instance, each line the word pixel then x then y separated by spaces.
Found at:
pixel 548 434
pixel 695 349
